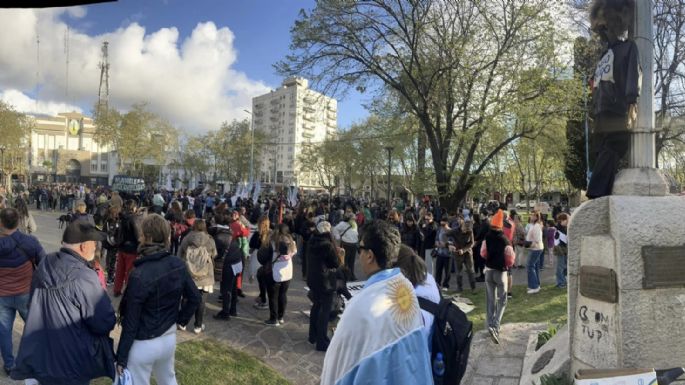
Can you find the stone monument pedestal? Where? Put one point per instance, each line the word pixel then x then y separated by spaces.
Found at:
pixel 626 271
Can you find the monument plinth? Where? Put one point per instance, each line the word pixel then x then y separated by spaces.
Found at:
pixel 626 250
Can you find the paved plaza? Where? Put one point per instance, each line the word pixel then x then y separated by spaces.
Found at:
pixel 286 349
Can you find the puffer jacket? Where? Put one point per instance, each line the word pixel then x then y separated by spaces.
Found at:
pixel 152 299
pixel 66 337
pixel 199 239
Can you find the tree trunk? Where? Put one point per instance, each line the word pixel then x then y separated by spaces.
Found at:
pixel 421 159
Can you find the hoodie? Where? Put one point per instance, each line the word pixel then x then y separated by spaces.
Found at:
pixel 196 240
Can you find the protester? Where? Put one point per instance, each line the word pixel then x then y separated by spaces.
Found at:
pixel 499 258
pixel 130 228
pixel 198 251
pixel 66 337
pixel 19 253
pixel 534 243
pixel 409 231
pixel 260 237
pixel 322 262
pixel 232 264
pixel 381 328
pixel 280 248
pixel 347 236
pixel 561 249
pixel 443 242
pixel 27 224
pixel 428 232
pixel 152 306
pixel 463 254
pixel 80 214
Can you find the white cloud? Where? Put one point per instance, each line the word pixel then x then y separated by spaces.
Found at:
pixel 24 103
pixel 188 81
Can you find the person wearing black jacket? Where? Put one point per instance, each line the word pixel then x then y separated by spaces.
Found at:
pixel 410 234
pixel 322 261
pixel 308 228
pixel 499 258
pixel 231 259
pixel 128 245
pixel 429 229
pixel 152 306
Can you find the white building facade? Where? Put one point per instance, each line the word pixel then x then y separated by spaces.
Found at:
pixel 291 117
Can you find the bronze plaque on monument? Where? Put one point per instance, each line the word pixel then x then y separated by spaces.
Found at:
pixel 598 283
pixel 664 267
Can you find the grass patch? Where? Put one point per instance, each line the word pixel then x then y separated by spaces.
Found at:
pixel 208 362
pixel 549 305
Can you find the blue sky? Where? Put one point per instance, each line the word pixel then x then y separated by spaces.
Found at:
pixel 197 63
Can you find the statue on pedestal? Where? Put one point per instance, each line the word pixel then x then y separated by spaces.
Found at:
pixel 616 87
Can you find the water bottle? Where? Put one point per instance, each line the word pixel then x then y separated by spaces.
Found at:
pixel 438 369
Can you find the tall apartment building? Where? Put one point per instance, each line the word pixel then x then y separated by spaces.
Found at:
pixel 291 117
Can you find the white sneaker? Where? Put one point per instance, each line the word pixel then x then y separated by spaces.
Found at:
pixel 180 327
pixel 533 291
pixel 199 330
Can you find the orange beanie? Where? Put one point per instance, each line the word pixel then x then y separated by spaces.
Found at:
pixel 497 221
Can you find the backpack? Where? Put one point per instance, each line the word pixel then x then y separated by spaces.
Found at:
pixel 451 335
pixel 199 262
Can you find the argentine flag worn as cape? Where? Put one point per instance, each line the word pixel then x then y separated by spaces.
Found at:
pixel 379 339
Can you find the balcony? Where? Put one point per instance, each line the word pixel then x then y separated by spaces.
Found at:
pixel 309 99
pixel 274 118
pixel 275 102
pixel 331 107
pixel 331 123
pixel 331 115
pixel 275 110
pixel 307 108
pixel 307 135
pixel 307 126
pixel 308 117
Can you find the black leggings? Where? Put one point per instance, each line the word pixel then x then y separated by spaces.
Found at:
pixel 278 299
pixel 443 264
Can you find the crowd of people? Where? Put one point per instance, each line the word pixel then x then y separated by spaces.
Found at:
pixel 162 253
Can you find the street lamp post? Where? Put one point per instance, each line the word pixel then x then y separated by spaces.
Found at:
pixel 389 149
pixel 2 164
pixel 251 146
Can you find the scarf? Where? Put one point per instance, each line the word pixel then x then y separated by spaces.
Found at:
pixel 152 248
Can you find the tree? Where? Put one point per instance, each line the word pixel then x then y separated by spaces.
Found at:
pixel 460 66
pixel 322 159
pixel 138 136
pixel 16 130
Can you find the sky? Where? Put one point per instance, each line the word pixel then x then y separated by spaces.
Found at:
pixel 195 63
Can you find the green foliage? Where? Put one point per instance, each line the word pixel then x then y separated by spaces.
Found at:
pixel 138 136
pixel 549 305
pixel 14 141
pixel 545 336
pixel 464 70
pixel 549 379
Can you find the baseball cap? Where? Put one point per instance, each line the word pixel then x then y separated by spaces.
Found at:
pixel 79 232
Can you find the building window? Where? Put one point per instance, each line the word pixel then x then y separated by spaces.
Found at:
pixel 94 167
pixel 103 167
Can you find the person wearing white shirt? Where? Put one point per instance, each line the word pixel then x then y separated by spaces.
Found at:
pixel 347 236
pixel 536 248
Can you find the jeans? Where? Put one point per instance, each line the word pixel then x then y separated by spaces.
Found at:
pixel 495 296
pixel 533 267
pixel 278 299
pixel 561 270
pixel 156 356
pixel 443 264
pixel 9 306
pixel 428 257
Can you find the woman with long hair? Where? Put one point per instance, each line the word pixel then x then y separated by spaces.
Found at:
pixel 281 246
pixel 259 238
pixel 150 307
pixel 27 224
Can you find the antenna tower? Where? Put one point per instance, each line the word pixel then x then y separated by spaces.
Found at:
pixel 103 91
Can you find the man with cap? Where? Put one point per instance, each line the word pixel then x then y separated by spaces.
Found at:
pixel 66 337
pixel 19 253
pixel 499 258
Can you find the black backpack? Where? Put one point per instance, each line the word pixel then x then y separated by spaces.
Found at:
pixel 451 335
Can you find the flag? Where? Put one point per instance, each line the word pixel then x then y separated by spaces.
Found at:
pixel 379 339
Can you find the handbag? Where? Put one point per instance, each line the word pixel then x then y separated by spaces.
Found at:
pixel 282 270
